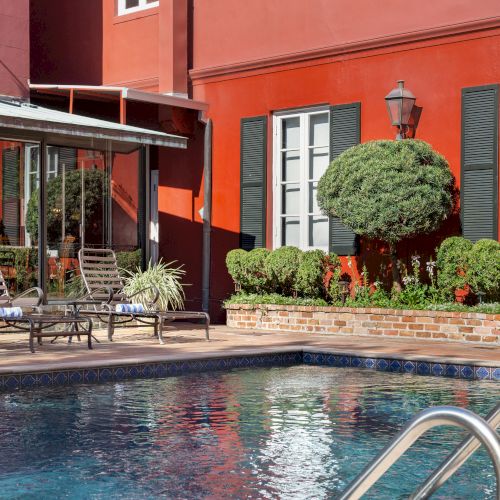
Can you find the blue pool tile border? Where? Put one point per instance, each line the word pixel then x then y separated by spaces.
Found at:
pixel 428 368
pixel 12 382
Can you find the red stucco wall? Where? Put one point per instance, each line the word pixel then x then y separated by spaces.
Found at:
pixel 226 31
pixel 66 41
pixel 436 73
pixel 14 47
pixel 130 48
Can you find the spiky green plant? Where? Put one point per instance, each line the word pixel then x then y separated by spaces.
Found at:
pixel 163 276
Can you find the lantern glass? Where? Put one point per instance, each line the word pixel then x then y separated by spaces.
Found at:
pixel 393 107
pixel 400 103
pixel 406 107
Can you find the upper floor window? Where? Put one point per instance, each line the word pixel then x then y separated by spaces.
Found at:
pixel 301 156
pixel 129 6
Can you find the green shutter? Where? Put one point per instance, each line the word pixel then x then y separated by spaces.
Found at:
pixel 253 182
pixel 66 157
pixel 11 195
pixel 479 166
pixel 345 132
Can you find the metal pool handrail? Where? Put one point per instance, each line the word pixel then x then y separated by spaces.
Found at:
pixel 452 463
pixel 421 423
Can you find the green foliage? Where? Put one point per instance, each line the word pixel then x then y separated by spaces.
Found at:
pixel 236 265
pixel 377 300
pixel 388 190
pixel 334 288
pixel 309 278
pixel 75 287
pixel 484 269
pixel 248 269
pixel 257 277
pixel 94 186
pixel 129 261
pixel 24 260
pixel 273 298
pixel 452 263
pixel 165 278
pixel 282 265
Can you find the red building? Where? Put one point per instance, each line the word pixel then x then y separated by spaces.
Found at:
pixel 287 87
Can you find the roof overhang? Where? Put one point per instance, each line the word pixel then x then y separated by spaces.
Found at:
pixel 31 122
pixel 123 92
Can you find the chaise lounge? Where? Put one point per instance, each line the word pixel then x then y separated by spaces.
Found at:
pixel 101 275
pixel 37 322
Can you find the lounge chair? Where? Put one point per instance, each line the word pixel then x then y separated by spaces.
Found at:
pixel 100 273
pixel 24 312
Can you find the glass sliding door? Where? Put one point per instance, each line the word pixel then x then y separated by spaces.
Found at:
pixel 92 199
pixel 19 177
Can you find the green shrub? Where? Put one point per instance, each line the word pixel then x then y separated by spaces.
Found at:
pixel 452 264
pixel 309 281
pixel 129 261
pixel 257 277
pixel 236 264
pixel 282 265
pixel 165 278
pixel 273 298
pixel 248 269
pixel 484 269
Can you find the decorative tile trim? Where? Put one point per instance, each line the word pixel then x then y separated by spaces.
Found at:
pixel 453 370
pixel 14 382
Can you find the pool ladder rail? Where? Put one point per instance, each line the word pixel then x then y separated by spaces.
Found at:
pixel 483 432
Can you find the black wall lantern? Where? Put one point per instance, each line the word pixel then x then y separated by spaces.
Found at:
pixel 400 103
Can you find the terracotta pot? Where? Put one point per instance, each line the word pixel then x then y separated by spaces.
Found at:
pixel 461 294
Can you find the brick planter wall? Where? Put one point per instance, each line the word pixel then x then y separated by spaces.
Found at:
pixel 438 325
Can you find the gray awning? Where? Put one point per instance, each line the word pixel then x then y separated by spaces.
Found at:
pixel 31 122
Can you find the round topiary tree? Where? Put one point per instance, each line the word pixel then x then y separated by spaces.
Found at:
pixel 388 190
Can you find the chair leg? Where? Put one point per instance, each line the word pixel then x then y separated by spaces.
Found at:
pixel 155 328
pixel 111 327
pixel 207 326
pixel 159 325
pixel 89 330
pixel 32 346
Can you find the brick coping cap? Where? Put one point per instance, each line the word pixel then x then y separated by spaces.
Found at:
pixel 364 310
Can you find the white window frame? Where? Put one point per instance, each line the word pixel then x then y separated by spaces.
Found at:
pixel 143 5
pixel 304 115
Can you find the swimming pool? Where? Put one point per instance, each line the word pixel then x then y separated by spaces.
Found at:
pixel 286 432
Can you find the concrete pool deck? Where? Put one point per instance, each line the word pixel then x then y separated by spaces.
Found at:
pixel 186 342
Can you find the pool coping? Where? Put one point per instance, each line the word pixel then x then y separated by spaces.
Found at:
pixel 161 366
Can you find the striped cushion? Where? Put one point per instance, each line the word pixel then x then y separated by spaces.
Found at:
pixel 130 308
pixel 10 312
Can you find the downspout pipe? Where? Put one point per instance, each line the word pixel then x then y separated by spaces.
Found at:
pixel 207 217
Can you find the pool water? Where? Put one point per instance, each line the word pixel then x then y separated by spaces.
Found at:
pixel 294 432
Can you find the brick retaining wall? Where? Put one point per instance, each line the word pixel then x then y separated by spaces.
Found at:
pixel 438 325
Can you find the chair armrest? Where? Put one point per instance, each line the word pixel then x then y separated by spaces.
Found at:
pixel 40 298
pixel 156 294
pixel 106 288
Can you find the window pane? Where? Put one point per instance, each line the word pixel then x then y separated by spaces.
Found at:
pixel 318 231
pixel 290 231
pixel 290 133
pixel 318 162
pixel 313 207
pixel 129 4
pixel 291 199
pixel 291 166
pixel 318 130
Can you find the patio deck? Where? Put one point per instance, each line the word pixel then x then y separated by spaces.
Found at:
pixel 186 342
